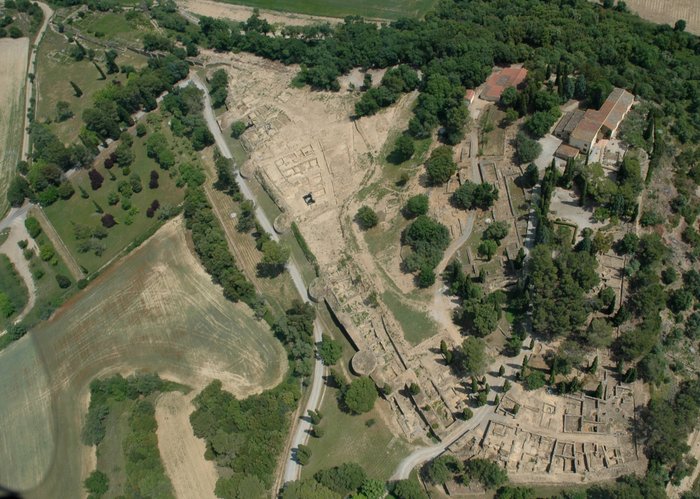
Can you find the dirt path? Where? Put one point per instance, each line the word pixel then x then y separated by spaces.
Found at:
pixel 10 248
pixel 181 451
pixel 31 68
pixel 300 428
pixel 58 243
pixel 674 492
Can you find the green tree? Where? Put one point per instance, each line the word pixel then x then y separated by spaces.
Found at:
pixel 17 191
pixel 599 333
pixel 360 395
pixel 404 148
pixel 275 257
pixel 509 97
pixel 488 473
pixel 407 489
pixel 531 177
pixel 471 357
pixel 237 129
pixel 366 218
pixel 307 489
pixel 373 489
pixel 496 231
pixel 527 149
pixel 416 205
pixel 534 380
pixel 343 479
pixel 303 454
pixel 440 166
pixel 97 484
pixel 330 350
pixel 487 249
pixel 442 469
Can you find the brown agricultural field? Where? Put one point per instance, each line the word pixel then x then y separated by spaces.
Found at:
pixel 155 311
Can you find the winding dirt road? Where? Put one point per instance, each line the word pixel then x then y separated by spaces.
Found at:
pixel 300 431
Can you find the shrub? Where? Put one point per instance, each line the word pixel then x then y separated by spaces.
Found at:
pixel 141 130
pixel 63 281
pixel 46 252
pixel 153 182
pixel 237 129
pixel 366 218
pixel 33 227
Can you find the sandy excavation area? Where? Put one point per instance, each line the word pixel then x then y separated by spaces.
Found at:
pixel 232 12
pixel 183 453
pixel 14 55
pixel 304 142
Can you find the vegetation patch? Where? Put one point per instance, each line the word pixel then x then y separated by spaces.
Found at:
pixel 144 474
pixel 13 292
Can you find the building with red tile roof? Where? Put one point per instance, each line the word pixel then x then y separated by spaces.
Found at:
pixel 502 79
pixel 596 124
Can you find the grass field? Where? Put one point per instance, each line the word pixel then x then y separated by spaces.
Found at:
pixel 115 25
pixel 364 439
pixel 77 210
pixel 56 69
pixel 417 326
pixel 11 284
pixel 156 311
pixel 388 9
pixel 13 54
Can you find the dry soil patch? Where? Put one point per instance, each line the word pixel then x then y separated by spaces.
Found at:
pixel 181 451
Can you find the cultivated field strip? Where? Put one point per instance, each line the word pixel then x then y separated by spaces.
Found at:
pixel 14 54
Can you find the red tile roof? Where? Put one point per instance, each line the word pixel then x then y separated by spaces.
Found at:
pixel 502 79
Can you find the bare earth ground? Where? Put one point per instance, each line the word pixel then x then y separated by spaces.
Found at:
pixel 303 142
pixel 13 54
pixel 242 13
pixel 158 311
pixel 669 11
pixel 183 453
